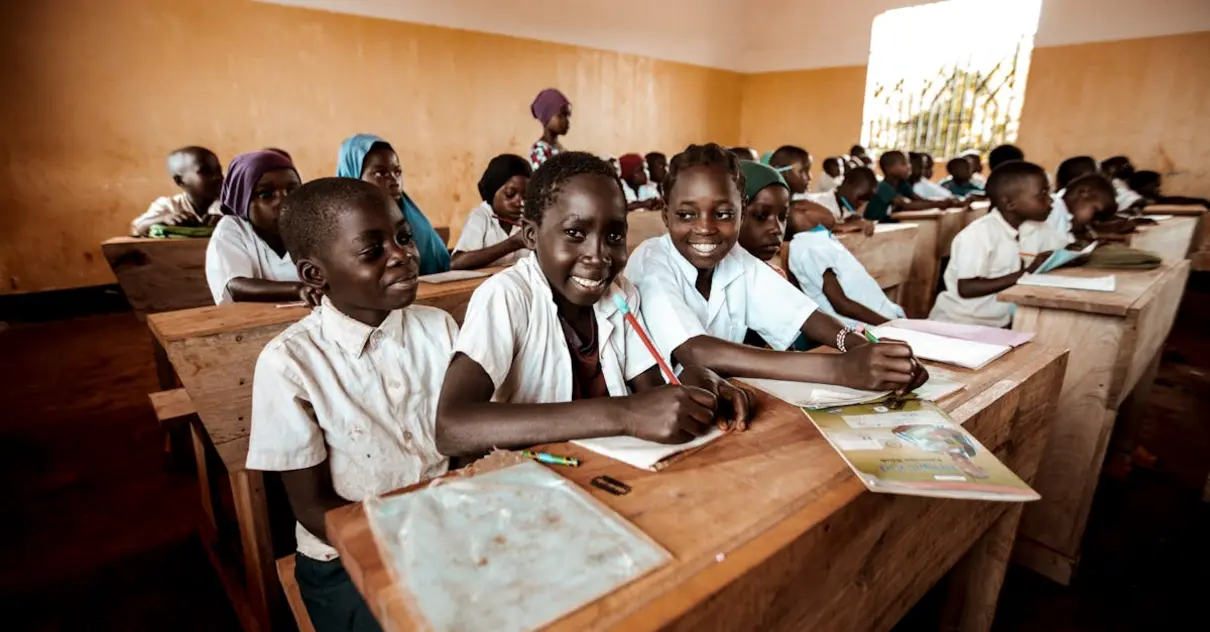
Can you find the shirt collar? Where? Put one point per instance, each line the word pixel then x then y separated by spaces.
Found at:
pixel 727 270
pixel 528 266
pixel 999 220
pixel 353 335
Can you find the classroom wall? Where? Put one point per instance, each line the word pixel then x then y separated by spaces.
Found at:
pixel 98 93
pixel 818 109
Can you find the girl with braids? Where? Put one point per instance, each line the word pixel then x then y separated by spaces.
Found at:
pixel 701 294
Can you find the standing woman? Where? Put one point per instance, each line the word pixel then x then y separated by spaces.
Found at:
pixel 370 158
pixel 554 111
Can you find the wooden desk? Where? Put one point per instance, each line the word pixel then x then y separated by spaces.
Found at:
pixel 1169 238
pixel 160 275
pixel 1115 339
pixel 978 209
pixel 1199 250
pixel 886 255
pixel 937 230
pixel 444 233
pixel 770 530
pixel 214 351
pixel 641 226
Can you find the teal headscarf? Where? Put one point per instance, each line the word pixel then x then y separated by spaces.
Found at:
pixel 434 257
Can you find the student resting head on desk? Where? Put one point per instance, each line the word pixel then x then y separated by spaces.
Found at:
pixel 794 165
pixel 1148 184
pixel 372 159
pixel 246 259
pixel 1079 205
pixel 1072 168
pixel 959 181
pixel 641 194
pixel 545 354
pixel 985 257
pixel 701 294
pixel 895 193
pixel 344 401
pixel 196 170
pixel 921 178
pixel 491 235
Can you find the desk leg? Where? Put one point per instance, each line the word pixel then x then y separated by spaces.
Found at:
pixel 163 367
pixel 922 278
pixel 203 475
pixel 248 490
pixel 974 584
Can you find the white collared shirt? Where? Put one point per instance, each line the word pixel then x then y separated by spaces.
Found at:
pixel 745 293
pixel 828 201
pixel 512 330
pixel 930 190
pixel 646 192
pixel 1059 219
pixel 481 230
pixel 826 183
pixel 1125 195
pixel 236 251
pixel 174 211
pixel 814 252
pixel 987 248
pixel 364 398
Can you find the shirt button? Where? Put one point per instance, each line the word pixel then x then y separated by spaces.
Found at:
pixel 407 435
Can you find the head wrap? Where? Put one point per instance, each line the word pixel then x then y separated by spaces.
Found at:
pixel 630 163
pixel 243 173
pixel 353 152
pixel 547 104
pixel 758 176
pixel 499 171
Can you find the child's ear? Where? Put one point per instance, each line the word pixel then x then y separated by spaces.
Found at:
pixel 311 274
pixel 529 233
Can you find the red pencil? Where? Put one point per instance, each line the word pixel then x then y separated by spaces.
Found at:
pixel 634 322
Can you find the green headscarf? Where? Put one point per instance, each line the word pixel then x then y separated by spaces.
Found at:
pixel 758 176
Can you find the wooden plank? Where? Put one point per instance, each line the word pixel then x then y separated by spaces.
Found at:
pixel 1170 238
pixel 887 254
pixel 978 209
pixel 643 225
pixel 248 493
pixel 922 276
pixel 205 489
pixel 172 404
pixel 770 530
pixel 160 275
pixel 289 585
pixel 1131 286
pixel 953 220
pixel 1199 249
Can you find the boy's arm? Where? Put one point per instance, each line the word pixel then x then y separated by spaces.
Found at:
pixel 245 289
pixel 312 495
pixel 981 286
pixel 484 257
pixel 844 305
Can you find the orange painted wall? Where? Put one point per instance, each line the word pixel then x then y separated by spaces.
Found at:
pixel 97 93
pixel 819 110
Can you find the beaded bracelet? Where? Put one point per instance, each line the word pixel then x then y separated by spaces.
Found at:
pixel 840 336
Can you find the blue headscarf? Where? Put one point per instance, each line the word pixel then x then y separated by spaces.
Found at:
pixel 434 257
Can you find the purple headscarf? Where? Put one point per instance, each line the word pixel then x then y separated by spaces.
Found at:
pixel 547 104
pixel 243 174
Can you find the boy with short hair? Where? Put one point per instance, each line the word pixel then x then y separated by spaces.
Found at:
pixel 832 176
pixel 921 178
pixel 858 157
pixel 975 160
pixel 196 170
pixel 794 165
pixel 985 257
pixel 1118 170
pixel 1003 154
pixel 894 193
pixel 1148 183
pixel 844 203
pixel 344 401
pixel 961 180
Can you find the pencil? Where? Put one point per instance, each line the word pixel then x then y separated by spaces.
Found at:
pixel 634 322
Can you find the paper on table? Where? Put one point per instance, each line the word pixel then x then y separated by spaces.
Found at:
pixel 1159 217
pixel 815 396
pixel 937 387
pixel 1062 257
pixel 645 455
pixel 969 354
pixel 976 333
pixel 1096 284
pixel 453 275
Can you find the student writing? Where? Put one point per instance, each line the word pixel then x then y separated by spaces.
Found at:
pixel 196 170
pixel 492 235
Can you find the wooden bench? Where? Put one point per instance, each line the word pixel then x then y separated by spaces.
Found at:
pixel 289 586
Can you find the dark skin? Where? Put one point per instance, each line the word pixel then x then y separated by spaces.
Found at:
pixel 703 218
pixel 798 176
pixel 368 269
pixel 507 204
pixel 581 238
pixel 831 166
pixel 856 193
pixel 899 170
pixel 264 210
pixel 764 218
pixel 636 179
pixel 558 125
pixel 1029 200
pixel 200 176
pixel 976 163
pixel 657 166
pixel 846 306
pixel 1085 205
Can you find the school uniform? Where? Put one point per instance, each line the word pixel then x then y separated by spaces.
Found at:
pixel 235 250
pixel 826 183
pixel 646 192
pixel 879 208
pixel 814 252
pixel 828 200
pixel 1059 219
pixel 362 400
pixel 483 229
pixel 930 190
pixel 961 190
pixel 1126 197
pixel 745 294
pixel 513 330
pixel 988 248
pixel 176 210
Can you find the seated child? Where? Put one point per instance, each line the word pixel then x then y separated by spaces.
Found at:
pixel 745 153
pixel 794 165
pixel 246 259
pixel 545 355
pixel 1118 169
pixel 492 234
pixel 1003 154
pixel 370 158
pixel 701 294
pixel 641 194
pixel 832 176
pixel 894 193
pixel 1072 168
pixel 921 178
pixel 197 172
pixel 343 401
pixel 844 204
pixel 1086 203
pixel 975 160
pixel 960 181
pixel 1148 183
pixel 985 257
pixel 767 205
pixel 657 168
pixel 858 157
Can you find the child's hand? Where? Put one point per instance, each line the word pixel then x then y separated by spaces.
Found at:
pixel 887 365
pixel 867 227
pixel 735 404
pixel 309 295
pixel 670 414
pixel 1038 261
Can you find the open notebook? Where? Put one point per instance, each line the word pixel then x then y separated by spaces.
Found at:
pixel 1061 257
pixel 1095 284
pixel 645 455
pixel 965 353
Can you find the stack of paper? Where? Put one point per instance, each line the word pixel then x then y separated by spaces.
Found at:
pixel 645 455
pixel 967 354
pixel 1096 284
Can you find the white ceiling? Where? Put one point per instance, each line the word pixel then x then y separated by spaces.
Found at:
pixel 752 35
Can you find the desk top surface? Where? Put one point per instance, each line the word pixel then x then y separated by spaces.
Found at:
pixel 1134 289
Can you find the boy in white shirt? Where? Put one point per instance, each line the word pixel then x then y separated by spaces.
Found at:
pixel 794 165
pixel 344 401
pixel 845 203
pixel 1118 170
pixel 492 235
pixel 196 170
pixel 545 355
pixel 985 257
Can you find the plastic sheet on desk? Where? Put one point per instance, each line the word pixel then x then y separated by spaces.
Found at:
pixel 512 549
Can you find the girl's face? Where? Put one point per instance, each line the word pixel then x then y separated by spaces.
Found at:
pixel 560 123
pixel 703 215
pixel 264 209
pixel 1085 206
pixel 381 167
pixel 764 222
pixel 581 241
pixel 798 176
pixel 509 200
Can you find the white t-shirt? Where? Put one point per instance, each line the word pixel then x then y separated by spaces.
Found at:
pixel 236 251
pixel 481 230
pixel 364 398
pixel 646 192
pixel 814 252
pixel 828 201
pixel 827 183
pixel 745 293
pixel 174 211
pixel 1059 219
pixel 512 330
pixel 930 190
pixel 1125 195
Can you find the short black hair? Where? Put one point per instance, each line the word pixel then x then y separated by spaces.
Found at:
pixel 1003 154
pixel 708 155
pixel 741 152
pixel 856 149
pixel 181 156
pixel 889 158
pixel 548 180
pixel 1073 168
pixel 960 161
pixel 787 155
pixel 1006 181
pixel 1120 163
pixel 655 155
pixel 832 160
pixel 861 175
pixel 1140 180
pixel 1092 182
pixel 308 216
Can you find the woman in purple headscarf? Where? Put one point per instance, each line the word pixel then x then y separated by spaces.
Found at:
pixel 246 259
pixel 554 111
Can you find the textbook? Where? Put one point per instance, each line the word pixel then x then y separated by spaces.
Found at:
pixel 1062 257
pixel 911 447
